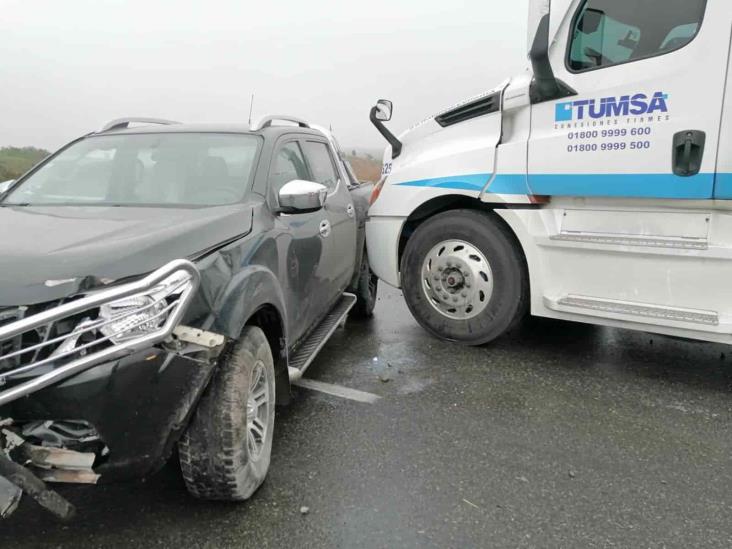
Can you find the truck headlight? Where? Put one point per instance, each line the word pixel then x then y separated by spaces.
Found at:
pixel 143 313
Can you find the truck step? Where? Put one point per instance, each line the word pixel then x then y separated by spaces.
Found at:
pixel 636 241
pixel 641 311
pixel 308 350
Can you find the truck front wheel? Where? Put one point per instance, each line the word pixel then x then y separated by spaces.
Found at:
pixel 463 277
pixel 225 452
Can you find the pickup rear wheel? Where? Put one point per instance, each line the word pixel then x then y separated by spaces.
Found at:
pixel 226 450
pixel 368 285
pixel 464 278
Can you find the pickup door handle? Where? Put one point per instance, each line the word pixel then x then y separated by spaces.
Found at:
pixel 688 152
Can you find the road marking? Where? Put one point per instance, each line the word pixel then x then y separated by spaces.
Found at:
pixel 337 390
pixel 471 503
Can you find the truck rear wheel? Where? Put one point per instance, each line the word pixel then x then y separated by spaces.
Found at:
pixel 226 450
pixel 463 277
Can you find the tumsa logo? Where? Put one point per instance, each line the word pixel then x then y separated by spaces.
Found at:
pixel 626 105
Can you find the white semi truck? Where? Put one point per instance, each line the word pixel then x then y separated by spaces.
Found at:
pixel 595 187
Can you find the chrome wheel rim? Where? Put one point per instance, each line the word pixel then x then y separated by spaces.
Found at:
pixel 258 411
pixel 457 279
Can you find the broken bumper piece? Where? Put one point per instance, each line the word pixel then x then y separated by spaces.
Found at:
pixel 16 480
pixel 10 496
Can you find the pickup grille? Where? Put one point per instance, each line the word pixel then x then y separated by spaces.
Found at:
pixel 8 315
pixel 42 346
pixel 34 344
pixel 479 107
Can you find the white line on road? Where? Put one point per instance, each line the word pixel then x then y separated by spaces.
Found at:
pixel 337 390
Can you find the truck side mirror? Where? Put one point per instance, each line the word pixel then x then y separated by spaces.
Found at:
pixel 380 113
pixel 545 86
pixel 300 196
pixel 384 108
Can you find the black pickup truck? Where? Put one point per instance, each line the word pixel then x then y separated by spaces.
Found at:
pixel 161 285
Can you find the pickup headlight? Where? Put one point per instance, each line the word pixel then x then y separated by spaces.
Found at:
pixel 146 312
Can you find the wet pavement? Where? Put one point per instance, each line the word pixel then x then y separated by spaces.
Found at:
pixel 559 435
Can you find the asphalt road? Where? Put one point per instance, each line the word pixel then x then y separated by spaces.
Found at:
pixel 560 435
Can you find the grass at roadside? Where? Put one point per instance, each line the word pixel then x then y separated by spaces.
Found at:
pixel 366 164
pixel 15 161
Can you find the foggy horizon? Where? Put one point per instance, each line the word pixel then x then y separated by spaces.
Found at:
pixel 69 68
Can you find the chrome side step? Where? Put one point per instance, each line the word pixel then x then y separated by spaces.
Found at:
pixel 602 307
pixel 308 349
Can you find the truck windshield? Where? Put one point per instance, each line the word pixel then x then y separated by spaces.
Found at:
pixel 163 169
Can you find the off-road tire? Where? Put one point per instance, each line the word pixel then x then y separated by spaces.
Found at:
pixel 508 302
pixel 213 452
pixel 366 290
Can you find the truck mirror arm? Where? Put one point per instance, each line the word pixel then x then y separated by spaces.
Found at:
pixel 396 145
pixel 545 86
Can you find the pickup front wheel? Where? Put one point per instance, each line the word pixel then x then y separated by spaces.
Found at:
pixel 225 452
pixel 463 277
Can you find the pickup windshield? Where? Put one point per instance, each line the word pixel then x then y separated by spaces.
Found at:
pixel 162 169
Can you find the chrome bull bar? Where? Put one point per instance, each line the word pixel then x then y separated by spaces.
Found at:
pixel 67 358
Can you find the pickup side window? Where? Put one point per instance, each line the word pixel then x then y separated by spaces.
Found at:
pixel 289 164
pixel 610 32
pixel 321 164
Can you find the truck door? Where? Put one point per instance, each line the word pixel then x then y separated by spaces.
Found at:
pixel 723 182
pixel 649 77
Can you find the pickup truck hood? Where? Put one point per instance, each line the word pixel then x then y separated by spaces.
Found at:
pixel 51 252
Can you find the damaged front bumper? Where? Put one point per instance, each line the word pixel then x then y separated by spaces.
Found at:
pixel 126 369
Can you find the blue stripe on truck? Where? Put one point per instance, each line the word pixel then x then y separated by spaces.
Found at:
pixel 723 186
pixel 474 182
pixel 627 185
pixel 623 185
pixel 503 183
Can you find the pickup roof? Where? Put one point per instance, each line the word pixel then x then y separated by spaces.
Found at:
pixel 161 284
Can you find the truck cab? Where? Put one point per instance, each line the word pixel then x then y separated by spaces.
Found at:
pixel 592 187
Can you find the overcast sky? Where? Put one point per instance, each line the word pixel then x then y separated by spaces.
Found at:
pixel 70 66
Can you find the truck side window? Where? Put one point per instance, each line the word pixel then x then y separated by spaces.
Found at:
pixel 610 32
pixel 321 164
pixel 289 164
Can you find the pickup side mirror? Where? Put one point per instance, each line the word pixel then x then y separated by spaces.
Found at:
pixel 300 196
pixel 5 185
